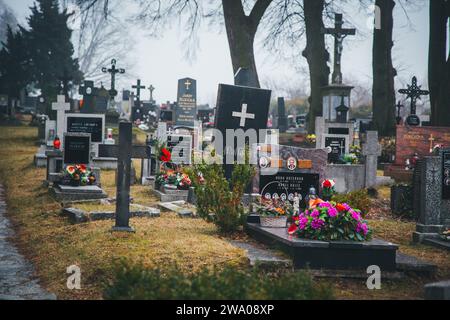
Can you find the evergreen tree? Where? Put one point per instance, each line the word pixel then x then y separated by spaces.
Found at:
pixel 49 39
pixel 14 63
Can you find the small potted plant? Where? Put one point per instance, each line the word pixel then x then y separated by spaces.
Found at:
pixel 274 213
pixel 328 190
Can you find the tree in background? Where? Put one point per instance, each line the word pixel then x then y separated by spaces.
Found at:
pixel 51 49
pixel 383 92
pixel 439 63
pixel 7 19
pixel 14 63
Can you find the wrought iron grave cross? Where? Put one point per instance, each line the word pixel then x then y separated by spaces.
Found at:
pixel 113 70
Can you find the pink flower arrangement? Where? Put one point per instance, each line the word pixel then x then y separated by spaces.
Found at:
pixel 331 221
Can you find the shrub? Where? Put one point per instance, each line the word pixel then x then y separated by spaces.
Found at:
pixel 230 283
pixel 219 199
pixel 357 199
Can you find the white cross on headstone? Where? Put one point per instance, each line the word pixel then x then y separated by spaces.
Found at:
pixel 243 115
pixel 187 84
pixel 60 106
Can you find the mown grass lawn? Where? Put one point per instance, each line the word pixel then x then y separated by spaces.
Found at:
pixel 53 244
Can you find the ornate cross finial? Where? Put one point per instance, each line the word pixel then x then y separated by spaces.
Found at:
pixel 414 92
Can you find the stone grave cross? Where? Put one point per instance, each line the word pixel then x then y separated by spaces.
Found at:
pixel 339 35
pixel 61 106
pixel 151 88
pixel 371 150
pixel 124 152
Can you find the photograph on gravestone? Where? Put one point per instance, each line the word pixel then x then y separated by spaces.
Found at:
pixel 186 110
pixel 285 184
pixel 82 123
pixel 77 148
pixel 243 108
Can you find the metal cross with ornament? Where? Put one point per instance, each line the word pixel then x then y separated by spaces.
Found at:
pixel 414 92
pixel 113 71
pixel 138 88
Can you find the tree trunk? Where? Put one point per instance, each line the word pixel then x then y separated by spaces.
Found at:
pixel 383 92
pixel 317 57
pixel 439 64
pixel 241 31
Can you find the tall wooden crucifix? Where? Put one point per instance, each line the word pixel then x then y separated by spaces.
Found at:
pixel 339 35
pixel 113 70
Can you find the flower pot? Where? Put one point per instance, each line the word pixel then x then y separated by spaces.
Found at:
pixel 273 222
pixel 75 183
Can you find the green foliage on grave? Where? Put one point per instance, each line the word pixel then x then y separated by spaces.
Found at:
pixel 135 282
pixel 357 199
pixel 219 200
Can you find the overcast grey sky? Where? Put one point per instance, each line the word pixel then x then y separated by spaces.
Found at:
pixel 162 61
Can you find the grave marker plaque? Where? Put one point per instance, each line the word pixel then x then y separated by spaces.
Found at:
pixel 186 110
pixel 285 184
pixel 77 148
pixel 92 124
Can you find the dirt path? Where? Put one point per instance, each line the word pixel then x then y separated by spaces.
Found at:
pixel 16 273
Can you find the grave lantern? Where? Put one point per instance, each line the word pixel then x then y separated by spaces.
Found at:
pixel 332 97
pixel 57 143
pixel 342 111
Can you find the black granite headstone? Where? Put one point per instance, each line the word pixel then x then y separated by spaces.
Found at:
pixel 186 111
pixel 92 125
pixel 337 145
pixel 77 148
pixel 243 108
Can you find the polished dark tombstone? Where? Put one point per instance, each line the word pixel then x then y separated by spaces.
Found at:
pixel 334 255
pixel 240 107
pixel 337 146
pixel 77 148
pixel 186 110
pixel 124 151
pixel 92 125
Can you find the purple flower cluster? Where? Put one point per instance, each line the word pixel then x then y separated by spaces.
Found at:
pixel 362 227
pixel 317 223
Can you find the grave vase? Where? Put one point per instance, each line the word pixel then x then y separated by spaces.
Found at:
pixel 273 222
